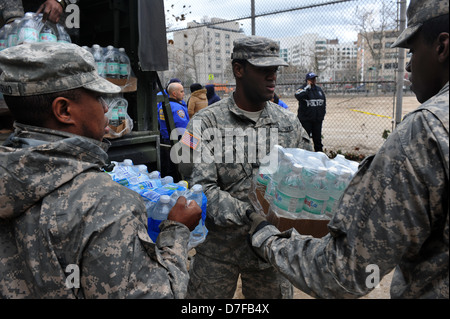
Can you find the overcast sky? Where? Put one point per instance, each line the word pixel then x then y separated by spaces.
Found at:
pixel 331 21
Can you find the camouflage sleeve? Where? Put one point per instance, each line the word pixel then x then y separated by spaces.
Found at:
pixel 172 248
pixel 387 212
pixel 11 9
pixel 119 259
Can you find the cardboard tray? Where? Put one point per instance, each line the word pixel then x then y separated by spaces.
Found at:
pixel 313 227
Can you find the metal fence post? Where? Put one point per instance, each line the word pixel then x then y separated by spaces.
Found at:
pixel 401 66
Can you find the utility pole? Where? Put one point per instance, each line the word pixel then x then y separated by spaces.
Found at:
pixel 253 17
pixel 401 66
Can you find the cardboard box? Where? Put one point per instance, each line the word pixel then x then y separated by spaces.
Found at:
pixel 313 227
pixel 127 85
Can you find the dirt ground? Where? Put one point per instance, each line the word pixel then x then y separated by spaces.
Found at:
pixel 382 292
pixel 355 123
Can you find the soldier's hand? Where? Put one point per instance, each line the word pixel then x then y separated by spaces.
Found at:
pixel 188 215
pixel 258 221
pixel 51 10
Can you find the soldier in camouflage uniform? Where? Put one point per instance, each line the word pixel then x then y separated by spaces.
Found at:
pixel 66 229
pixel 219 137
pixel 395 212
pixel 10 10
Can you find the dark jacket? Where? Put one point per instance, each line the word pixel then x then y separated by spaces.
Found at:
pixel 211 94
pixel 312 103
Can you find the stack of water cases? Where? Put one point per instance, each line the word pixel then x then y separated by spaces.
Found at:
pixel 31 28
pixel 159 195
pixel 300 184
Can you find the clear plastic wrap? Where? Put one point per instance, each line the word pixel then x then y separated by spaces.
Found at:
pixel 323 181
pixel 120 123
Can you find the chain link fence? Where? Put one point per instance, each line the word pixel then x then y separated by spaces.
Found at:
pixel 346 42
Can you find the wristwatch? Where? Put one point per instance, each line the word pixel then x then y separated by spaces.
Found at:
pixel 62 3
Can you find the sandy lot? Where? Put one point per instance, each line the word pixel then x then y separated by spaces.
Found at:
pixel 356 123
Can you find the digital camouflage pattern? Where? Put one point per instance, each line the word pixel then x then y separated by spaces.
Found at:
pixel 11 10
pixel 58 208
pixel 259 51
pixel 50 67
pixel 226 185
pixel 418 12
pixel 394 214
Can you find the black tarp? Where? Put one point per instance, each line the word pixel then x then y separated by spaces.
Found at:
pixel 152 36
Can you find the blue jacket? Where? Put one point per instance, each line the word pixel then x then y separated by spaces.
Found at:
pixel 180 117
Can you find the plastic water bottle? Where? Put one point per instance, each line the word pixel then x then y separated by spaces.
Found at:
pixel 167 180
pixel 112 63
pixel 97 52
pixel 183 183
pixel 154 174
pixel 4 37
pixel 286 161
pixel 336 189
pixel 316 194
pixel 124 64
pixel 268 168
pixel 114 113
pixel 352 165
pixel 27 30
pixel 122 106
pixel 48 32
pixel 198 235
pixel 62 35
pixel 159 214
pixel 12 34
pixel 290 194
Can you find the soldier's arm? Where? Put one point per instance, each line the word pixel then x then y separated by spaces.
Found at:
pixel 381 217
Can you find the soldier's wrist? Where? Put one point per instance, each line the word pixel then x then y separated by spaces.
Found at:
pixel 62 3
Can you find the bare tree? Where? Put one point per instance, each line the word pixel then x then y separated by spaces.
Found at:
pixel 175 13
pixel 373 25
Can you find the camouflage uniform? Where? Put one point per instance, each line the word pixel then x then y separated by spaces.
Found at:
pixel 394 213
pixel 10 10
pixel 60 212
pixel 226 253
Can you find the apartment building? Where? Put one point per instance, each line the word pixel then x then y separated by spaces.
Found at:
pixel 202 52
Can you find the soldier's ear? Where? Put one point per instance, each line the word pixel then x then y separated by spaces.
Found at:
pixel 238 69
pixel 61 107
pixel 443 47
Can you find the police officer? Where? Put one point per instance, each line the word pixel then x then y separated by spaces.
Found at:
pixel 180 117
pixel 395 212
pixel 312 109
pixel 225 168
pixel 67 230
pixel 179 112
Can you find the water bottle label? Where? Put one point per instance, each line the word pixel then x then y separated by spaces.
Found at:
pixel 28 35
pixel 263 179
pixel 314 206
pixel 12 40
pixel 112 68
pixel 47 37
pixel 101 68
pixel 3 44
pixel 123 69
pixel 288 203
pixel 153 225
